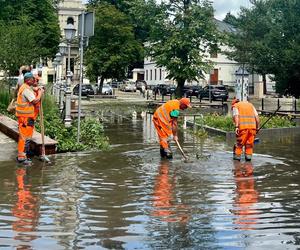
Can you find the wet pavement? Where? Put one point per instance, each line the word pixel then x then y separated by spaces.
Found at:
pixel 128 198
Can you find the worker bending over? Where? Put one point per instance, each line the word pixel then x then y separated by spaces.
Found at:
pixel 26 114
pixel 165 122
pixel 246 122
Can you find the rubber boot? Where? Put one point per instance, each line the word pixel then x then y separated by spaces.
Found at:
pixel 248 157
pixel 168 153
pixel 236 157
pixel 162 152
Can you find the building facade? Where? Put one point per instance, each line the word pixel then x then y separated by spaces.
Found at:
pixel 70 10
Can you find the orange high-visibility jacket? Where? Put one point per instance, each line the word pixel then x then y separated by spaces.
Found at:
pixel 246 115
pixel 163 112
pixel 24 108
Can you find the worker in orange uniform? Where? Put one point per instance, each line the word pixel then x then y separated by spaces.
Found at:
pixel 25 112
pixel 246 122
pixel 165 122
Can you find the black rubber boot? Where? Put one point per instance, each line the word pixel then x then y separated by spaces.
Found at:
pixel 248 157
pixel 236 157
pixel 168 153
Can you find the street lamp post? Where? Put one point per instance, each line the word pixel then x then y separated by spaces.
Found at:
pixel 63 51
pixel 54 64
pixel 69 34
pixel 57 61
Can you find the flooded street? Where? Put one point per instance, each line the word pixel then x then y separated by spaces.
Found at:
pixel 128 198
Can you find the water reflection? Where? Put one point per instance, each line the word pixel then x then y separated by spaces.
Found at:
pixel 25 210
pixel 246 196
pixel 164 202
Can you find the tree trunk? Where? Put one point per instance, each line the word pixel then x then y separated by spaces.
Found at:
pixel 264 83
pixel 101 85
pixel 179 89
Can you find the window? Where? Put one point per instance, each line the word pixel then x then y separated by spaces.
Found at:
pixel 150 74
pixel 155 74
pixel 146 75
pixel 160 74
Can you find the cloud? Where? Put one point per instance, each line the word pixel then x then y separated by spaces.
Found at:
pixel 224 6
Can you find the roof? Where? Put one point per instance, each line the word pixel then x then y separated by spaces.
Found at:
pixel 224 27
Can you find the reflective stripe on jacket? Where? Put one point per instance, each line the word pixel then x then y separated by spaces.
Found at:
pixel 24 108
pixel 246 115
pixel 163 112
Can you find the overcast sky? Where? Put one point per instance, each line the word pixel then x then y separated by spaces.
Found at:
pixel 224 6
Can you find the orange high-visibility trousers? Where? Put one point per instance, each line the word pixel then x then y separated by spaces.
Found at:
pixel 162 132
pixel 245 138
pixel 25 134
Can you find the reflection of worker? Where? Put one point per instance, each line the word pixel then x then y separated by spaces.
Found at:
pixel 25 209
pixel 164 203
pixel 25 112
pixel 246 195
pixel 165 122
pixel 246 122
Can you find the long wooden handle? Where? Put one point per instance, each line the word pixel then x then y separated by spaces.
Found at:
pixel 42 128
pixel 181 150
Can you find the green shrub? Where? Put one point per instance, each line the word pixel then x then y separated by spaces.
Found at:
pixel 225 122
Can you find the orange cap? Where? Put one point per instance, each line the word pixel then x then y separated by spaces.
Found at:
pixel 186 101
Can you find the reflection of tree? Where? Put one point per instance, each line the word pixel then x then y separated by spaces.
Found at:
pixel 26 210
pixel 164 203
pixel 246 195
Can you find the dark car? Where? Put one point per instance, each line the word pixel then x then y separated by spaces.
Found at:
pixel 86 90
pixel 216 92
pixel 192 90
pixel 164 89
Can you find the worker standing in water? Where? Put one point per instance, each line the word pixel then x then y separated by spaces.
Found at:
pixel 25 112
pixel 165 122
pixel 246 123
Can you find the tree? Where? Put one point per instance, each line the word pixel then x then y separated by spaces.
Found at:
pixel 113 46
pixel 17 46
pixel 268 42
pixel 38 21
pixel 230 19
pixel 181 35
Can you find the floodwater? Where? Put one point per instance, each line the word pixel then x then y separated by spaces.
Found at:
pixel 128 198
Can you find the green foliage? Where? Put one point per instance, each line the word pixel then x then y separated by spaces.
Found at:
pixel 181 34
pixel 225 122
pixel 29 30
pixel 92 133
pixel 268 42
pixel 113 47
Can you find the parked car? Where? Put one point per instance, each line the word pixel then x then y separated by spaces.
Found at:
pixel 106 90
pixel 115 84
pixel 193 90
pixel 128 87
pixel 217 92
pixel 139 85
pixel 164 89
pixel 86 90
